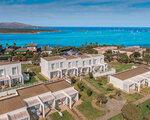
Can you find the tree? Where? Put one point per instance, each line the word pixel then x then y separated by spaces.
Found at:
pixel 102 99
pixel 123 58
pixel 146 57
pixel 108 55
pixel 89 92
pixel 7 45
pixel 91 75
pixel 110 87
pixel 80 86
pixel 73 80
pixel 135 56
pixel 118 93
pixel 131 112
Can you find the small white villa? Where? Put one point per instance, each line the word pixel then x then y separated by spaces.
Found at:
pixel 132 80
pixel 65 66
pixel 36 101
pixel 10 74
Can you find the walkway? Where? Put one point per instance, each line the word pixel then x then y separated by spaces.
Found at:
pixel 116 106
pixel 113 108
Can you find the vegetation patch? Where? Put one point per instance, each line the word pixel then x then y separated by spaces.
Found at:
pixel 121 66
pixel 145 108
pixel 56 116
pixel 132 97
pixel 117 117
pixel 89 111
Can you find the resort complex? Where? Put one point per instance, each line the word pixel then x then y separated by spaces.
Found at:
pixel 66 66
pixel 132 80
pixel 10 74
pixel 38 83
pixel 35 101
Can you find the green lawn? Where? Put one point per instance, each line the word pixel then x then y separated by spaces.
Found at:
pixel 89 111
pixel 36 69
pixel 101 84
pixel 146 90
pixel 145 108
pixel 117 117
pixel 132 97
pixel 56 116
pixel 121 66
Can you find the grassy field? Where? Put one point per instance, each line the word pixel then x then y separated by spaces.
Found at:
pixel 89 111
pixel 56 116
pixel 145 108
pixel 101 84
pixel 117 117
pixel 145 90
pixel 121 66
pixel 36 70
pixel 132 97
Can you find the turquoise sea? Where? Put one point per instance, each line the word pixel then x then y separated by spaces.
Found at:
pixel 77 36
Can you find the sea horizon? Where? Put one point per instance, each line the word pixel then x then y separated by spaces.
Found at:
pixel 77 36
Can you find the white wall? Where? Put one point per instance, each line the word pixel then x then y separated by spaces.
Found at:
pixel 8 69
pixel 116 82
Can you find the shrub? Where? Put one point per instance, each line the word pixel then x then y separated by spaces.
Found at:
pixel 91 75
pixel 110 87
pixel 89 92
pixel 80 86
pixel 73 80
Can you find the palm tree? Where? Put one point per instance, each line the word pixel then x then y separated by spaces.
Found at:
pixel 7 45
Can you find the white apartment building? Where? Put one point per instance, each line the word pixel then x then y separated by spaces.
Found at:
pixel 132 80
pixel 10 74
pixel 63 66
pixel 36 101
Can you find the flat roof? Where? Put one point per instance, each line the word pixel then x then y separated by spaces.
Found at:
pixel 60 85
pixel 71 57
pixel 33 91
pixel 53 58
pixel 7 62
pixel 131 73
pixel 84 56
pixel 11 104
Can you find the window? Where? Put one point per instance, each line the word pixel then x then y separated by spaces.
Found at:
pixel 94 61
pixel 52 66
pixel 61 64
pixel 76 63
pixel 14 71
pixel 69 64
pixel 1 72
pixel 89 62
pixel 83 63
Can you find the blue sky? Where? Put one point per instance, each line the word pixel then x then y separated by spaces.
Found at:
pixel 77 12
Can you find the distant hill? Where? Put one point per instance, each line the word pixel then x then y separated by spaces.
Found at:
pixel 16 25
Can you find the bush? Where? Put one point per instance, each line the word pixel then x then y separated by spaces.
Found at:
pixel 73 80
pixel 80 86
pixel 89 92
pixel 110 87
pixel 91 75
